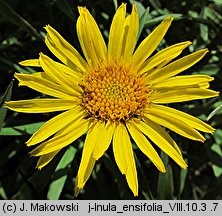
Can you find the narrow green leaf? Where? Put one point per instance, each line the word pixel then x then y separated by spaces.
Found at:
pixel 183 176
pixel 204 28
pixel 159 19
pixel 27 70
pixel 13 17
pixel 21 130
pixel 214 112
pixel 143 19
pixel 147 193
pixel 216 158
pixel 165 188
pixel 115 4
pixel 217 136
pixel 65 7
pixel 155 3
pixel 34 185
pixel 124 190
pixel 6 97
pixel 60 176
pixel 214 15
pixel 2 193
pixel 218 1
pixel 210 69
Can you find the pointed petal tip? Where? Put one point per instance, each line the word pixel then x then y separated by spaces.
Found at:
pixel 82 10
pixel 39 167
pixel 184 165
pixel 123 5
pixel 47 27
pixel 6 104
pixel 76 192
pixel 41 55
pixel 188 42
pixel 213 131
pixel 169 19
pixel 163 170
pixel 134 8
pixel 135 193
pixel 29 62
pixel 22 63
pixel 28 143
pixel 202 140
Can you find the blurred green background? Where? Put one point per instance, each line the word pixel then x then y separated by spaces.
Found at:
pixel 22 37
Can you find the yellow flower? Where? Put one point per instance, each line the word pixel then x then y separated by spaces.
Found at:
pixel 116 93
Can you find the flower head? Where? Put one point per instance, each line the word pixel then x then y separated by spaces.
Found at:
pixel 114 93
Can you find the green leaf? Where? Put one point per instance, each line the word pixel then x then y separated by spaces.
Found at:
pixel 120 179
pixel 210 69
pixel 155 3
pixel 216 158
pixel 159 19
pixel 183 176
pixel 2 193
pixel 213 15
pixel 21 130
pixel 65 7
pixel 115 4
pixel 217 136
pixel 13 17
pixel 143 19
pixel 60 176
pixel 165 188
pixel 218 1
pixel 34 185
pixel 27 70
pixel 5 97
pixel 214 112
pixel 147 193
pixel 204 28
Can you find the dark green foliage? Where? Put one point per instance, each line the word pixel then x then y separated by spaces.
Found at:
pixel 22 37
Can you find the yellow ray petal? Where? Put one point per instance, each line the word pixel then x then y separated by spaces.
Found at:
pixel 130 32
pixel 150 43
pixel 45 159
pixel 183 117
pixel 116 30
pixel 145 146
pixel 64 137
pixel 181 95
pixel 54 125
pixel 63 50
pixel 104 139
pixel 131 173
pixel 123 153
pixel 176 67
pixel 183 81
pixel 118 150
pixel 87 161
pixel 79 185
pixel 58 73
pixel 166 136
pixel 40 105
pixel 39 83
pixel 163 55
pixel 30 62
pixel 158 136
pixel 174 124
pixel 90 38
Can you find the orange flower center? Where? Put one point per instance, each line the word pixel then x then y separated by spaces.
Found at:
pixel 111 92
